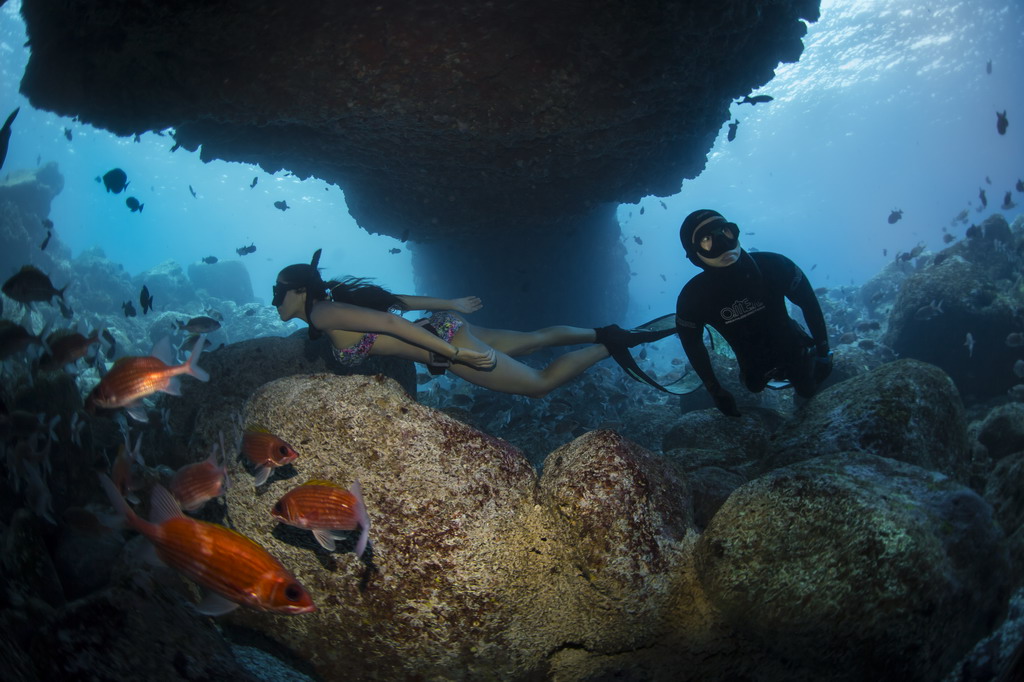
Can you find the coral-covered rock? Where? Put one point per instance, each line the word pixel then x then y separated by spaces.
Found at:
pixel 860 566
pixel 1002 431
pixel 971 282
pixel 436 593
pixel 623 517
pixel 906 410
pixel 1006 494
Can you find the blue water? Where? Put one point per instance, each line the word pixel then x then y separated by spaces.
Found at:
pixel 889 107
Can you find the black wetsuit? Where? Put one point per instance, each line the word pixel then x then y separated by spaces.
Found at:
pixel 745 303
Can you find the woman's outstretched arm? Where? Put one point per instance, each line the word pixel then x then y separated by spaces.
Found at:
pixel 353 318
pixel 464 305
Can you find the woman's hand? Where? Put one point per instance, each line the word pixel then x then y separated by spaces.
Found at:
pixel 475 359
pixel 467 304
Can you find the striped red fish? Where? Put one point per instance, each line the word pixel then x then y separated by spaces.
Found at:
pixel 133 378
pixel 236 570
pixel 266 452
pixel 323 507
pixel 193 485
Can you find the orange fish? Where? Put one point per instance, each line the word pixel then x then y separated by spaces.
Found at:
pixel 193 485
pixel 236 570
pixel 66 347
pixel 266 452
pixel 322 507
pixel 132 379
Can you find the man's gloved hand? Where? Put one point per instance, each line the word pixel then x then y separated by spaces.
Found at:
pixel 822 365
pixel 724 401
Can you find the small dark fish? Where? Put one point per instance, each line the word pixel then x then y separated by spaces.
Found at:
pixel 895 216
pixel 5 136
pixel 1020 185
pixel 138 138
pixel 254 181
pixel 1008 201
pixel 145 299
pixel 199 325
pixel 638 241
pixel 916 251
pixel 982 197
pixel 133 204
pixel 988 67
pixel 115 180
pixel 192 191
pixel 15 339
pixel 821 291
pixel 663 278
pixel 210 260
pixel 394 251
pixel 281 205
pixel 245 250
pixel 641 210
pixel 46 241
pixel 947 238
pixel 31 284
pixel 756 99
pixel 812 267
pixel 732 130
pixel 67 134
pixel 129 309
pixel 988 180
pixel 885 253
pixel 47 223
pixel 1001 122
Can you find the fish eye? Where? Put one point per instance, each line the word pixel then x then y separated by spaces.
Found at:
pixel 279 508
pixel 293 592
pixel 282 450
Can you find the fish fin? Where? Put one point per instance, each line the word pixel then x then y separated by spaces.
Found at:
pixel 214 604
pixel 364 518
pixel 257 428
pixel 137 411
pixel 325 538
pixel 191 366
pixel 162 505
pixel 125 514
pixel 163 352
pixel 262 474
pixel 173 386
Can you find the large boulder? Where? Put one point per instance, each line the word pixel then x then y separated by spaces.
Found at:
pixel 227 280
pixel 905 410
pixel 858 566
pixel 966 290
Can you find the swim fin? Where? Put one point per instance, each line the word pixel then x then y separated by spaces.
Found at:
pixel 656 329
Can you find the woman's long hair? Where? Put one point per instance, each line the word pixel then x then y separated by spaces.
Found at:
pixel 354 290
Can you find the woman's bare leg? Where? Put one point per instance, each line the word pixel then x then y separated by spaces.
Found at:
pixel 523 343
pixel 511 376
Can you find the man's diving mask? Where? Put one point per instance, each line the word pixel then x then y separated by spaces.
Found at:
pixel 716 238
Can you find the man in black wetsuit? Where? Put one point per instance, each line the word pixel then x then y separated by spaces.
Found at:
pixel 742 295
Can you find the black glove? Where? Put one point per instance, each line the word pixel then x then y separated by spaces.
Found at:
pixel 724 401
pixel 822 366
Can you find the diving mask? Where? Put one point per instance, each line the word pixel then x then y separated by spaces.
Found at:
pixel 716 238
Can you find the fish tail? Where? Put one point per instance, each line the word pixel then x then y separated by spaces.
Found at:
pixel 60 292
pixel 364 518
pixel 191 367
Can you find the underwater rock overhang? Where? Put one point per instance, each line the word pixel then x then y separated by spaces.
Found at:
pixel 444 119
